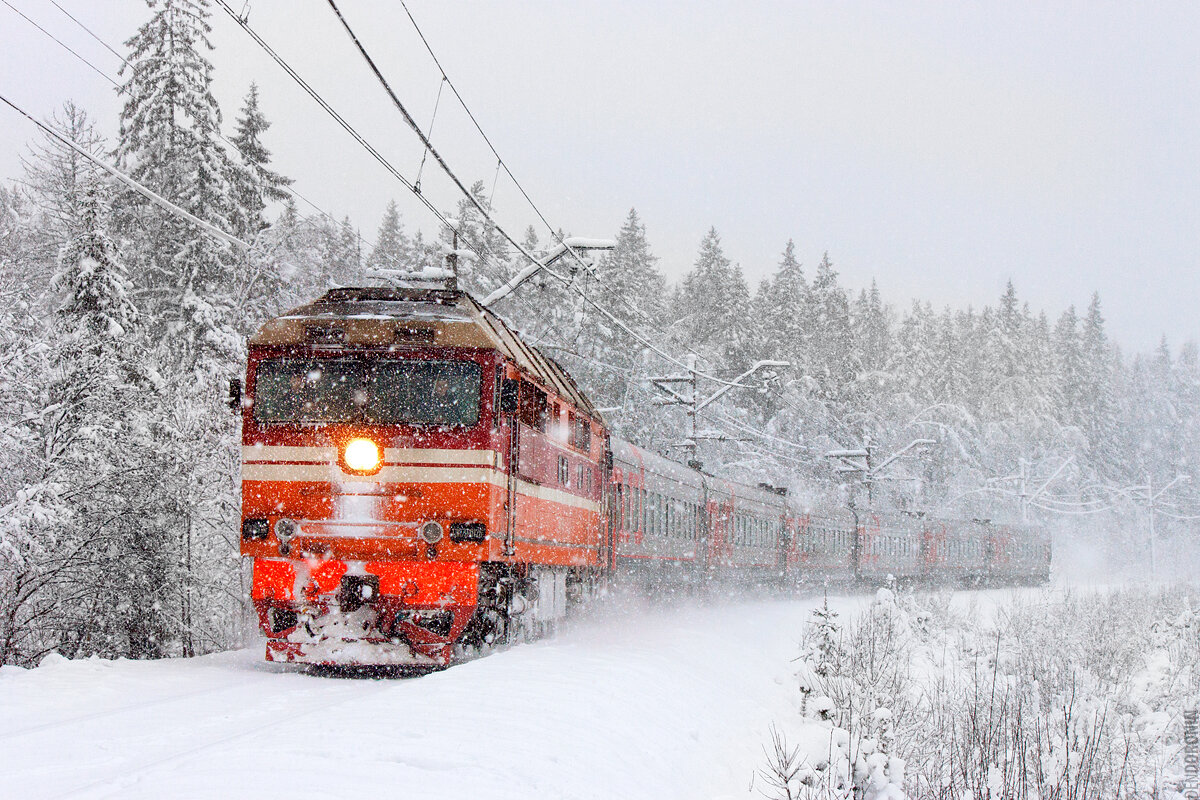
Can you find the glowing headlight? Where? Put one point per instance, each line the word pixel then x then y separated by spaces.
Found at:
pixel 362 455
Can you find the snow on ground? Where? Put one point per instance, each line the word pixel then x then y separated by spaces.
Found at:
pixel 641 702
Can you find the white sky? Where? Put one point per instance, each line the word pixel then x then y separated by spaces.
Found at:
pixel 941 148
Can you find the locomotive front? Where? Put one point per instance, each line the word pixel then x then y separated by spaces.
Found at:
pixel 371 474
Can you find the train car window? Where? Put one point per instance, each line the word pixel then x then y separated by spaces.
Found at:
pixel 564 471
pixel 623 501
pixel 388 392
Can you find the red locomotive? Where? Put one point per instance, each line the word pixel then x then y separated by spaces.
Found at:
pixel 415 478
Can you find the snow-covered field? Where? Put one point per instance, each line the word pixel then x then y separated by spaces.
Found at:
pixel 655 703
pixel 631 701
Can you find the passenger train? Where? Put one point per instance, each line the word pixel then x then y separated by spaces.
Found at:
pixel 416 479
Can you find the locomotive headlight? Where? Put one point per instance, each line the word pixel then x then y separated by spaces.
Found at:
pixel 362 455
pixel 431 532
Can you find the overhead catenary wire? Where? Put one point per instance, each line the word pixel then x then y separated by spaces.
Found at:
pixel 437 157
pixel 500 163
pixel 289 189
pixel 337 117
pixel 89 31
pixel 61 44
pixel 149 194
pixel 362 141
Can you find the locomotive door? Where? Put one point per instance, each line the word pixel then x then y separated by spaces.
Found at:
pixel 510 390
pixel 510 504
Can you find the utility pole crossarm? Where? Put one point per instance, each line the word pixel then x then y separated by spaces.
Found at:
pixel 915 443
pixel 1050 480
pixel 676 397
pixel 1178 479
pixel 757 366
pixel 690 398
pixel 572 244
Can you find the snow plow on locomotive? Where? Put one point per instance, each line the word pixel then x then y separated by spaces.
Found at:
pixel 415 478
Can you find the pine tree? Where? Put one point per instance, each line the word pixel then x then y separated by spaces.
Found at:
pixel 95 282
pixel 1098 404
pixel 193 288
pixel 254 182
pixel 714 299
pixel 1069 357
pixel 392 249
pixel 169 141
pixel 784 311
pixel 833 355
pixel 629 277
pixel 490 267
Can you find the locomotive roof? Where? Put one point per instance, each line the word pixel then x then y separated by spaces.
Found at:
pixel 380 316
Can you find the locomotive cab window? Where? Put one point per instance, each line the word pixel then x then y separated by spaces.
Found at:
pixel 384 392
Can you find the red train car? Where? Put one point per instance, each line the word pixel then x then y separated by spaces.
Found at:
pixel 416 478
pixel 413 476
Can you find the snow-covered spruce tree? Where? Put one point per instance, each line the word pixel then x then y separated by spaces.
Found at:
pixel 392 248
pixel 32 511
pixel 113 572
pixel 833 354
pixel 629 284
pixel 713 304
pixel 95 283
pixel 1099 405
pixel 169 141
pixel 785 310
pixel 254 183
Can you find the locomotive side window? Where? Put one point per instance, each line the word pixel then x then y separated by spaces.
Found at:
pixel 385 392
pixel 581 433
pixel 533 407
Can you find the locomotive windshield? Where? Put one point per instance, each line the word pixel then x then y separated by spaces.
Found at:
pixel 385 392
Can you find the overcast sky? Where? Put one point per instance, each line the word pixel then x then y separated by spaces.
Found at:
pixel 940 148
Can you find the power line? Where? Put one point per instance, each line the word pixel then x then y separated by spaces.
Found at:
pixel 90 33
pixel 446 168
pixel 60 42
pixel 291 191
pixel 149 194
pixel 412 123
pixel 383 161
pixel 501 163
pixel 325 106
pixel 475 122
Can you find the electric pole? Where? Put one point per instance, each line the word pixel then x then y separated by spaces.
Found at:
pixel 682 390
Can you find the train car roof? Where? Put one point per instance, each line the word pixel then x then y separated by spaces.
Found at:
pixel 653 462
pixel 398 317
